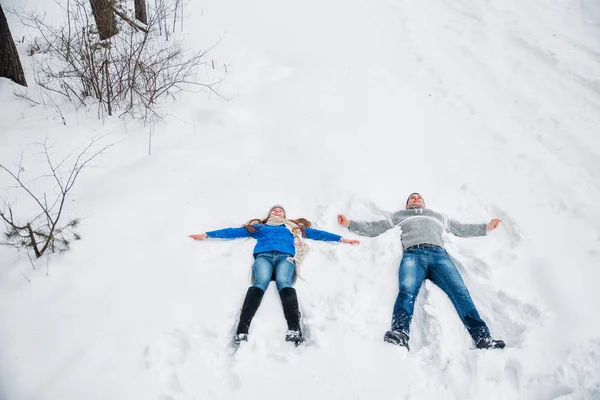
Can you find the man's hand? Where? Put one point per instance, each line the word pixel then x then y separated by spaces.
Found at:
pixel 493 224
pixel 200 236
pixel 350 241
pixel 343 220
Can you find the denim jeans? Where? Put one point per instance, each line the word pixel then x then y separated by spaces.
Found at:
pixel 435 265
pixel 273 261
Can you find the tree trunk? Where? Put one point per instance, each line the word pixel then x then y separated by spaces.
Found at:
pixel 140 11
pixel 104 17
pixel 10 63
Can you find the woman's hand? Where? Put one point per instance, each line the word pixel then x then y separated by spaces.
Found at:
pixel 349 241
pixel 199 236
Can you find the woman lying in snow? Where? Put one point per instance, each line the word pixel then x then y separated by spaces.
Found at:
pixel 280 248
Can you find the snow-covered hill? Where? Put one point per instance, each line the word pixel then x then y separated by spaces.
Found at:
pixel 488 109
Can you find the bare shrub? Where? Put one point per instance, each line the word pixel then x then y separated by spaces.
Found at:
pixel 45 231
pixel 126 75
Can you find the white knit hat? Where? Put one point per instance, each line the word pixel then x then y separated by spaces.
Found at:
pixel 277 206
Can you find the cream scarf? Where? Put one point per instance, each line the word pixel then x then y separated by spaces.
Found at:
pixel 299 242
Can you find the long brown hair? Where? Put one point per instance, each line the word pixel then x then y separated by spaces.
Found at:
pixel 302 223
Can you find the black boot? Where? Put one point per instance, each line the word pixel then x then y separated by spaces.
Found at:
pixel 251 303
pixel 398 338
pixel 489 343
pixel 289 301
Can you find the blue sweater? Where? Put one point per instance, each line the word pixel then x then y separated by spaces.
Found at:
pixel 272 238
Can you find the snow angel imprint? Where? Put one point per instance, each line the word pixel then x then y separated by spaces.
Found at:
pixel 279 250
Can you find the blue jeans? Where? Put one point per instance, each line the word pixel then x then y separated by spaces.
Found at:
pixel 273 264
pixel 434 264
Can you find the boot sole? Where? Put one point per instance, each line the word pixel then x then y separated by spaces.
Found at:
pixel 396 343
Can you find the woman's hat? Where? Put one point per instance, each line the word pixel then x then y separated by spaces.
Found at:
pixel 277 206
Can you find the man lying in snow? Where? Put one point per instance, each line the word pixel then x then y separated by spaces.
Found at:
pixel 425 257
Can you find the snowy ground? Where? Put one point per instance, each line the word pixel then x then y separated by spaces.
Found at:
pixel 488 109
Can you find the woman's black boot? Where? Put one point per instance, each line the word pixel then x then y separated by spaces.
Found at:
pixel 289 301
pixel 253 298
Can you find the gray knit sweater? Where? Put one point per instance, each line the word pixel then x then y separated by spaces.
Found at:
pixel 419 225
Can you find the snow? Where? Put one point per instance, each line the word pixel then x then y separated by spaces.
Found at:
pixel 488 109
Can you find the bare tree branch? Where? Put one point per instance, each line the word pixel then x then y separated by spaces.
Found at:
pixel 129 20
pixel 48 233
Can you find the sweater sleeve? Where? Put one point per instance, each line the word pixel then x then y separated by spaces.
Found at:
pixel 316 234
pixel 371 229
pixel 229 233
pixel 466 230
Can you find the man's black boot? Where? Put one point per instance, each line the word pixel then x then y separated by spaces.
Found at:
pixel 398 338
pixel 489 343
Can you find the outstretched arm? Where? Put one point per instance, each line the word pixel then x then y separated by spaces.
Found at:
pixel 372 229
pixel 227 233
pixel 468 230
pixel 316 234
